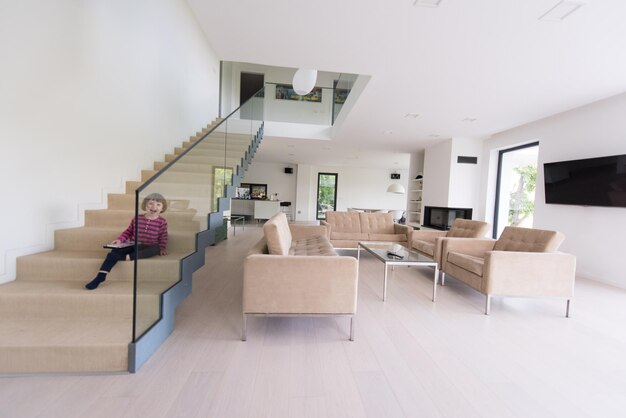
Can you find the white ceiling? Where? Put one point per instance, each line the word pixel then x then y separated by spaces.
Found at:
pixel 492 60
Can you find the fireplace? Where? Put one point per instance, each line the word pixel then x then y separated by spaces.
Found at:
pixel 442 218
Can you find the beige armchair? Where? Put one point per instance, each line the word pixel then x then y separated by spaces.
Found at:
pixel 522 262
pixel 429 243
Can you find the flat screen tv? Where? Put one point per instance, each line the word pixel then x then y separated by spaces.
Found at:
pixel 589 182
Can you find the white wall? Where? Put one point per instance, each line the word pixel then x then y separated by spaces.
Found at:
pixel 437 174
pixel 465 178
pixel 273 174
pixel 90 93
pixel 594 234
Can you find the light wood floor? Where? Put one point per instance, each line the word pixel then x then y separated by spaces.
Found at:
pixel 411 357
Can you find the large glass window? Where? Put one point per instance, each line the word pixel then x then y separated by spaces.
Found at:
pixel 515 192
pixel 222 177
pixel 326 193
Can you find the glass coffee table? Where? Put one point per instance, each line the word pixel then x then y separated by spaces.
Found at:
pixel 382 250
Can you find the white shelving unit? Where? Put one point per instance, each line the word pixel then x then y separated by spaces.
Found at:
pixel 414 213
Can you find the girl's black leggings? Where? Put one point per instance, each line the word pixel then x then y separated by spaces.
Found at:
pixel 119 254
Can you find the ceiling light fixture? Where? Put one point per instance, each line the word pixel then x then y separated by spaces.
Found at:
pixel 412 115
pixel 560 11
pixel 469 120
pixel 396 188
pixel 304 81
pixel 427 3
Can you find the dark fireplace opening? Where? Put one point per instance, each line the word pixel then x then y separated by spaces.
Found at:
pixel 442 218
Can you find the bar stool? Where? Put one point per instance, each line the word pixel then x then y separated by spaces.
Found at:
pixel 285 207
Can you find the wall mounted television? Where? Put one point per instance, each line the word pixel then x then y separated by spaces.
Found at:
pixel 590 182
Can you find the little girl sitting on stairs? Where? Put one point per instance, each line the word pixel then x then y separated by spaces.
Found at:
pixel 151 233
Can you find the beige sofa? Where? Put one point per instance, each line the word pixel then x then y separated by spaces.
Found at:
pixel 429 242
pixel 294 270
pixel 346 229
pixel 522 262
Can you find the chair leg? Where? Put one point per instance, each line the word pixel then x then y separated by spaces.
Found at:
pixel 244 325
pixel 443 277
pixel 487 304
pixel 352 328
pixel 567 308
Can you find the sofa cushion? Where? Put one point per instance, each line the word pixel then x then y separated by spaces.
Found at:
pixel 344 221
pixel 426 247
pixel 387 237
pixel 377 223
pixel 277 234
pixel 528 240
pixel 357 236
pixel 467 262
pixel 317 245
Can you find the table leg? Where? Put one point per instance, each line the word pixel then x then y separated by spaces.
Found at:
pixel 385 284
pixel 435 280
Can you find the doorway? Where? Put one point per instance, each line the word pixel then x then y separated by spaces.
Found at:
pixel 515 187
pixel 250 83
pixel 326 194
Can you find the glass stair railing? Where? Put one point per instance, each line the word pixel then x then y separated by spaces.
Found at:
pixel 197 181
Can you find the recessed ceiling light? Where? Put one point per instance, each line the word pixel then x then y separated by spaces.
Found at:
pixel 291 155
pixel 560 11
pixel 427 3
pixel 411 115
pixel 469 120
pixel 388 132
pixel 434 135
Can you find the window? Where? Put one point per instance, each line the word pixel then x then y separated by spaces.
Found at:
pixel 515 190
pixel 222 177
pixel 326 193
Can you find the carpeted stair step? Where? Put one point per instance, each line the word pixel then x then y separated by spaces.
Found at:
pixel 116 218
pixel 217 160
pixel 213 149
pixel 192 191
pixel 127 201
pixel 236 152
pixel 178 177
pixel 64 345
pixel 187 167
pixel 82 266
pixel 90 238
pixel 26 299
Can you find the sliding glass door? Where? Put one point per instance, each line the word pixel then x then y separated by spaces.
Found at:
pixel 515 191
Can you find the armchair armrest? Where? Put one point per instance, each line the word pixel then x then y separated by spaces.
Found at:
pixel 404 229
pixel 476 247
pixel 328 228
pixel 302 231
pixel 300 284
pixel 429 236
pixel 516 273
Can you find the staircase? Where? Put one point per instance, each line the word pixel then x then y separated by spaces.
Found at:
pixel 50 323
